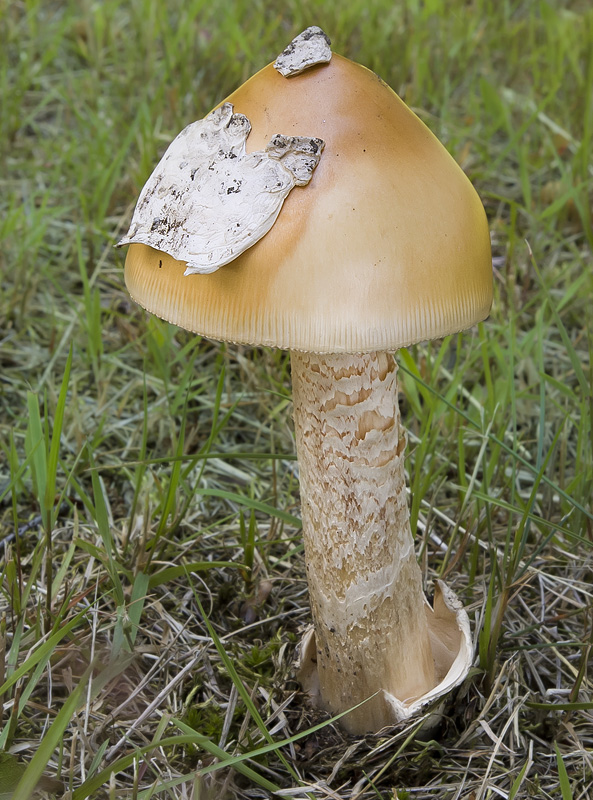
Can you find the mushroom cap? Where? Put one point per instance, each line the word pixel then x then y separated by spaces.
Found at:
pixel 386 246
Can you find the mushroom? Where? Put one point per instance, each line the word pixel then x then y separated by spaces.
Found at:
pixel 386 246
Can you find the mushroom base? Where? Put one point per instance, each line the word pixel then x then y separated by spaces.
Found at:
pixel 451 645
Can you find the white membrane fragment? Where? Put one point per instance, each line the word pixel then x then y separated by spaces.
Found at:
pixel 452 649
pixel 208 200
pixel 309 48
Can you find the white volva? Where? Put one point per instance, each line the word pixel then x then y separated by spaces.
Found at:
pixel 208 200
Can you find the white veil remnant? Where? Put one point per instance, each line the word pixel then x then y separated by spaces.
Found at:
pixel 208 200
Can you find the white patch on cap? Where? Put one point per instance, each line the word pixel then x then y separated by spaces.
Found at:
pixel 309 48
pixel 208 200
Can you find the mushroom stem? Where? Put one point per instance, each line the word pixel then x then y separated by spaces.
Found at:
pixel 365 584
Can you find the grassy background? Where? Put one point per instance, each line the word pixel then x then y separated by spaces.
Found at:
pixel 152 584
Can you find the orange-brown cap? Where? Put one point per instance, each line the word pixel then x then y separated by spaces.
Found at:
pixel 386 246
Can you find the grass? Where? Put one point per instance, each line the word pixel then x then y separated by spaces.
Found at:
pixel 152 580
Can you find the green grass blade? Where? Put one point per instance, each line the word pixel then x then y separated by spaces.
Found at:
pixel 137 600
pixel 563 775
pixel 552 707
pixel 91 785
pixel 249 502
pixel 234 761
pixel 35 446
pixel 566 340
pixel 519 779
pixel 170 574
pixel 44 649
pixel 54 452
pixel 238 683
pixel 102 518
pixel 507 448
pixel 50 741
